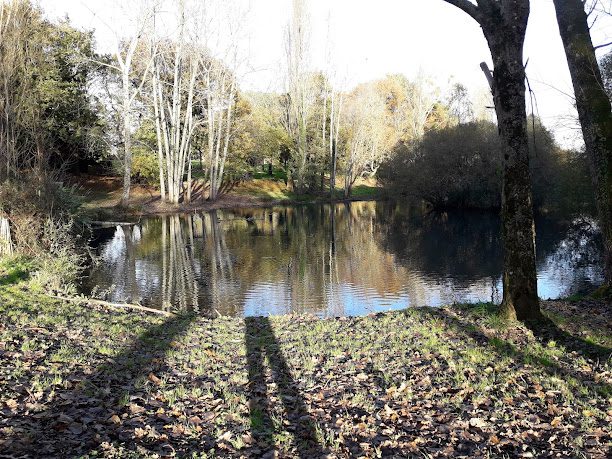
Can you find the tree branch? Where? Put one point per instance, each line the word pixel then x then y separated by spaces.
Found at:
pixel 468 7
pixel 603 45
pixel 485 69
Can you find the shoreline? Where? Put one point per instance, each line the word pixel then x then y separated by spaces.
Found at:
pixel 229 201
pixel 145 200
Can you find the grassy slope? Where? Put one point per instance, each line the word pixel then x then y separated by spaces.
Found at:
pixel 78 380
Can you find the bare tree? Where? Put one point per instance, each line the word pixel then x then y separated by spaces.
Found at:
pixel 336 103
pixel 366 128
pixel 220 104
pixel 504 23
pixel 331 131
pixel 460 105
pixel 594 111
pixel 421 99
pixel 300 98
pixel 125 52
pixel 173 83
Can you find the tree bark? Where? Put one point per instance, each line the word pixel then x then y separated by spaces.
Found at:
pixel 332 175
pixel 594 112
pixel 520 298
pixel 504 23
pixel 127 146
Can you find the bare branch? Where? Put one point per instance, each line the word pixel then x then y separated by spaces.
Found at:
pixel 467 7
pixel 485 68
pixel 602 45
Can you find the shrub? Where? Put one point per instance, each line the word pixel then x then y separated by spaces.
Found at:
pixel 40 211
pixel 453 167
pixel 59 263
pixel 145 167
pixel 460 166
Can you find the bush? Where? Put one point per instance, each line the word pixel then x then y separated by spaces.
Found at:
pixel 40 211
pixel 145 167
pixel 60 262
pixel 460 167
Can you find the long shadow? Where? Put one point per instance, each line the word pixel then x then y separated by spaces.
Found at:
pixel 546 330
pixel 261 344
pixel 98 409
pixel 507 349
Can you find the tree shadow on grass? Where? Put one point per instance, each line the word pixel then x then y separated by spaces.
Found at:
pixel 542 330
pixel 261 344
pixel 103 404
pixel 546 330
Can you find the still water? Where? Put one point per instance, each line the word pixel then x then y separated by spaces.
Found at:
pixel 328 260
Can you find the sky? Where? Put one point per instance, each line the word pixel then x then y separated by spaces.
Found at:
pixel 368 39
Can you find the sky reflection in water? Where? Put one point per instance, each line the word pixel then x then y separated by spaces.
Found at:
pixel 328 260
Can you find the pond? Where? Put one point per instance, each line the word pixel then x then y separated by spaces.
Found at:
pixel 329 260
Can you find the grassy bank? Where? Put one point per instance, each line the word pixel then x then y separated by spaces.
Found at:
pixel 83 380
pixel 101 196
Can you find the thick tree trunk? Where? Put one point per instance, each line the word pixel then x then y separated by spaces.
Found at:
pixel 505 35
pixel 504 23
pixel 594 111
pixel 520 299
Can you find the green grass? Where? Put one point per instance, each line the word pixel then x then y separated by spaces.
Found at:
pixel 404 383
pixel 276 190
pixel 14 269
pixel 279 175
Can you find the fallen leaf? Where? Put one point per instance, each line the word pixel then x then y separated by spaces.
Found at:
pixel 478 422
pixel 154 379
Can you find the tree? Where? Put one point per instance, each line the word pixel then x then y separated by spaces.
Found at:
pixel 594 111
pixel 459 166
pixel 220 106
pixel 132 79
pixel 48 114
pixel 504 23
pixel 173 85
pixel 368 133
pixel 606 73
pixel 460 105
pixel 300 98
pixel 421 101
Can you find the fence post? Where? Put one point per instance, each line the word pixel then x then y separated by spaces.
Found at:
pixel 6 242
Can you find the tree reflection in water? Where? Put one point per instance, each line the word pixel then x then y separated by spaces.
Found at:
pixel 331 260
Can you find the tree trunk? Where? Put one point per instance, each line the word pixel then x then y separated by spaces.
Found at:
pixel 504 23
pixel 158 132
pixel 127 158
pixel 594 112
pixel 188 193
pixel 6 242
pixel 520 297
pixel 332 175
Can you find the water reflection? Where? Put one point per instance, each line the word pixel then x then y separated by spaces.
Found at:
pixel 329 260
